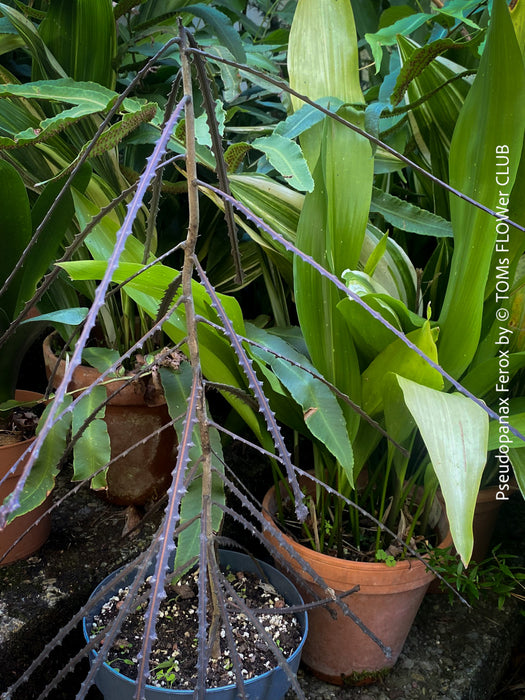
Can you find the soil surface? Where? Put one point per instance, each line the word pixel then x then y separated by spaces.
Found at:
pixel 174 654
pixel 18 426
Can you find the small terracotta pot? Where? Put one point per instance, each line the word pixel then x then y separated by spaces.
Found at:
pixel 145 473
pixel 36 535
pixel 387 602
pixel 486 514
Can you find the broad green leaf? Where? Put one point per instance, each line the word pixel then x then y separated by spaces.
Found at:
pixel 483 378
pixel 323 54
pixel 202 131
pixel 408 217
pixel 517 458
pixel 92 451
pixel 89 96
pixel 41 479
pixel 498 93
pixel 177 385
pixel 15 225
pixel 321 411
pixel 287 158
pixel 499 433
pixel 81 34
pixel 323 60
pixel 306 117
pixel 455 431
pixel 325 332
pixel 386 36
pixel 218 359
pixel 348 168
pixel 222 28
pixel 100 358
pixel 39 51
pixel 371 336
pixel 278 205
pixel 71 317
pixel 404 361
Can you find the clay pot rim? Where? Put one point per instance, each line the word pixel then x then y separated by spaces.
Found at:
pixel 402 566
pixel 488 493
pixel 130 394
pixel 35 537
pixel 22 445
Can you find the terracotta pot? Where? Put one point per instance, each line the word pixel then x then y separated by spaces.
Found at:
pixel 387 602
pixel 486 514
pixel 145 473
pixel 37 535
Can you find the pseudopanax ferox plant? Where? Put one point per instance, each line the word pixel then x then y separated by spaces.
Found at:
pixel 390 376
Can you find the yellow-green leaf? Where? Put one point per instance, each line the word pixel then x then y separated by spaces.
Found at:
pixel 455 431
pixel 402 360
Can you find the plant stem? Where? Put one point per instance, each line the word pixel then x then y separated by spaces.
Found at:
pixel 191 322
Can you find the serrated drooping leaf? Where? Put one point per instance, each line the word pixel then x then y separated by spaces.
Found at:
pixel 87 98
pixel 176 385
pixel 409 217
pixel 234 155
pixel 287 158
pixel 41 479
pixel 92 451
pixel 113 135
pixel 419 60
pixel 322 412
